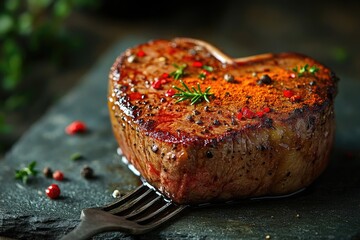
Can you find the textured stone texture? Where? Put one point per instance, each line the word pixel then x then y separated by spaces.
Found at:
pixel 329 209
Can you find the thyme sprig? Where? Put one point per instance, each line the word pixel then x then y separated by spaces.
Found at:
pixel 304 69
pixel 179 72
pixel 24 173
pixel 193 94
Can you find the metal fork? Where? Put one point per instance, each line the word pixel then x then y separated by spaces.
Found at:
pixel 138 212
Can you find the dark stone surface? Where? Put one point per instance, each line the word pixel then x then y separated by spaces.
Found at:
pixel 329 209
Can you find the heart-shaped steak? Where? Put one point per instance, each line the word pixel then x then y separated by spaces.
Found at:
pixel 201 126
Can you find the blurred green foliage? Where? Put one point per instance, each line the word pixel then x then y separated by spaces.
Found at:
pixel 31 30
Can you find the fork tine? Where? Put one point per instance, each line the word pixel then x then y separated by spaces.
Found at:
pixel 163 213
pixel 169 215
pixel 143 208
pixel 131 204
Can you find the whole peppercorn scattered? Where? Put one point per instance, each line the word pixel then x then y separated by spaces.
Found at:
pixel 117 194
pixel 199 122
pixel 53 191
pixel 58 175
pixel 47 172
pixel 209 154
pixel 87 172
pixel 216 122
pixel 154 148
pixel 265 79
pixel 229 78
pixel 75 127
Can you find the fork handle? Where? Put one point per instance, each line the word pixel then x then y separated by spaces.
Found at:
pixel 91 224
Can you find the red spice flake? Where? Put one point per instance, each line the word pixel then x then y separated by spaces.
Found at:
pixel 164 75
pixel 197 64
pixel 248 113
pixel 288 93
pixel 157 84
pixel 53 191
pixel 266 109
pixel 141 53
pixel 58 175
pixel 171 50
pixel 135 96
pixel 75 127
pixel 260 114
pixel 239 115
pixel 295 98
pixel 169 93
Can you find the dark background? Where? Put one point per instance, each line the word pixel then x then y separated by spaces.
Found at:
pixel 328 31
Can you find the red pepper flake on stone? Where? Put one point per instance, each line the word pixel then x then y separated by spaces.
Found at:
pixel 53 191
pixel 75 127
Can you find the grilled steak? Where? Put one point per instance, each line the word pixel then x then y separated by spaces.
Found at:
pixel 201 126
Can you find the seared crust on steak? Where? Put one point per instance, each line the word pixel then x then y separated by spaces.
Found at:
pixel 255 137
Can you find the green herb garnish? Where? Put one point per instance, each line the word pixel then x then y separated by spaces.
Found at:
pixel 25 172
pixel 304 69
pixel 179 72
pixel 76 156
pixel 208 68
pixel 194 95
pixel 202 76
pixel 314 69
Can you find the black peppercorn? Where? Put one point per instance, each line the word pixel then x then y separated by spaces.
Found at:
pixel 190 118
pixel 265 79
pixel 209 154
pixel 199 122
pixel 87 172
pixel 312 83
pixel 216 122
pixel 47 172
pixel 196 112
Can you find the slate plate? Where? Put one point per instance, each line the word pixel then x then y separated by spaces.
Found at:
pixel 329 209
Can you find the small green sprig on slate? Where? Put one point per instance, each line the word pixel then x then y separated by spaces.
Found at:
pixel 304 69
pixel 24 173
pixel 194 95
pixel 76 156
pixel 179 72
